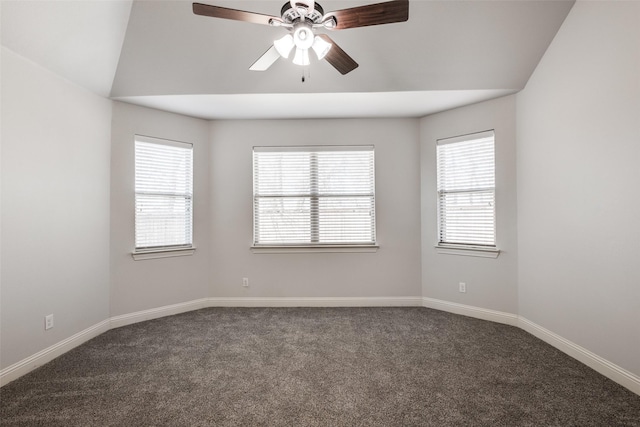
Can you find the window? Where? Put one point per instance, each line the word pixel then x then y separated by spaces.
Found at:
pixel 466 190
pixel 313 196
pixel 164 190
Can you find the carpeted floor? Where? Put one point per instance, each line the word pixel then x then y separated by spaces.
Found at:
pixel 316 367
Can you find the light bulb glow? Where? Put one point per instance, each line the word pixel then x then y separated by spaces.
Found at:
pixel 302 57
pixel 284 45
pixel 321 47
pixel 303 37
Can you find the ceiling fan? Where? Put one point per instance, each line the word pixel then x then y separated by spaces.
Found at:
pixel 302 18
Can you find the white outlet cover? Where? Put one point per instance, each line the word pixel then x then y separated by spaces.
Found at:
pixel 48 322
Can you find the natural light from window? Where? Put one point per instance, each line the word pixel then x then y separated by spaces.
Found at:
pixel 314 196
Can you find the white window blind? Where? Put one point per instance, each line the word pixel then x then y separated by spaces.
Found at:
pixel 164 189
pixel 466 190
pixel 313 196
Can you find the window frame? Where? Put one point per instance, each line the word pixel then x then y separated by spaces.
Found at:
pixel 466 248
pixel 314 245
pixel 164 250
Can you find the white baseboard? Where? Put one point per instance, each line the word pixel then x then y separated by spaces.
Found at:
pixel 599 364
pixel 27 365
pixel 316 302
pixel 592 360
pixel 154 313
pixel 471 311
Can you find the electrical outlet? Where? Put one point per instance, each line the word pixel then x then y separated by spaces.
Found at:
pixel 48 322
pixel 462 287
pixel 245 282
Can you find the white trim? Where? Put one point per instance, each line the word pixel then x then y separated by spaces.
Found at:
pixel 592 360
pixel 314 249
pixel 316 302
pixel 471 311
pixel 162 141
pixel 154 313
pixel 30 363
pixel 308 148
pixel 468 251
pixel 467 137
pixel 162 253
pixel 599 364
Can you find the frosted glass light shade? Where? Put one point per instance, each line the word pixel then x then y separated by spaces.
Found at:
pixel 302 57
pixel 284 45
pixel 321 47
pixel 303 37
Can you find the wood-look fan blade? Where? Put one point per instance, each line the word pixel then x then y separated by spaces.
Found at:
pixel 236 15
pixel 266 60
pixel 337 57
pixel 372 14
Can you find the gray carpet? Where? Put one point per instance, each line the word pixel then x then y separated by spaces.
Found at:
pixel 316 367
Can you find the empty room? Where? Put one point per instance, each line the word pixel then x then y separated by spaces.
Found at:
pixel 335 213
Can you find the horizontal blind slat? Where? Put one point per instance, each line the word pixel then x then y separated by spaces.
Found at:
pixel 308 195
pixel 164 187
pixel 466 190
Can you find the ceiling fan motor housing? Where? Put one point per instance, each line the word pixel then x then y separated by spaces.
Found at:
pixel 291 14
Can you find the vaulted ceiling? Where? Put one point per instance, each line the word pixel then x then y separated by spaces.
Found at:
pixel 159 54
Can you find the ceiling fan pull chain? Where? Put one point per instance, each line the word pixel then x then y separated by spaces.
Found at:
pixel 306 74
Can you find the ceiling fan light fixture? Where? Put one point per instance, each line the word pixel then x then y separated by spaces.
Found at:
pixel 321 47
pixel 303 37
pixel 284 45
pixel 301 57
pixel 301 18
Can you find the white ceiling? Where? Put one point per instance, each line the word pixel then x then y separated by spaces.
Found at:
pixel 316 105
pixel 78 40
pixel 449 53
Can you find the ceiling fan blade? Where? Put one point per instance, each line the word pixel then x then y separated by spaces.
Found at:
pixel 372 14
pixel 266 60
pixel 236 15
pixel 337 57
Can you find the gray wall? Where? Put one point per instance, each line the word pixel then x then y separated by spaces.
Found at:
pixel 569 240
pixel 55 208
pixel 146 284
pixel 393 271
pixel 491 283
pixel 578 176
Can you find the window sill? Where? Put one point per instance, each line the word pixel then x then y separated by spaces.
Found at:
pixel 474 251
pixel 314 249
pixel 162 253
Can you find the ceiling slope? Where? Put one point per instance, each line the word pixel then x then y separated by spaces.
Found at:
pixel 448 54
pixel 78 40
pixel 445 45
